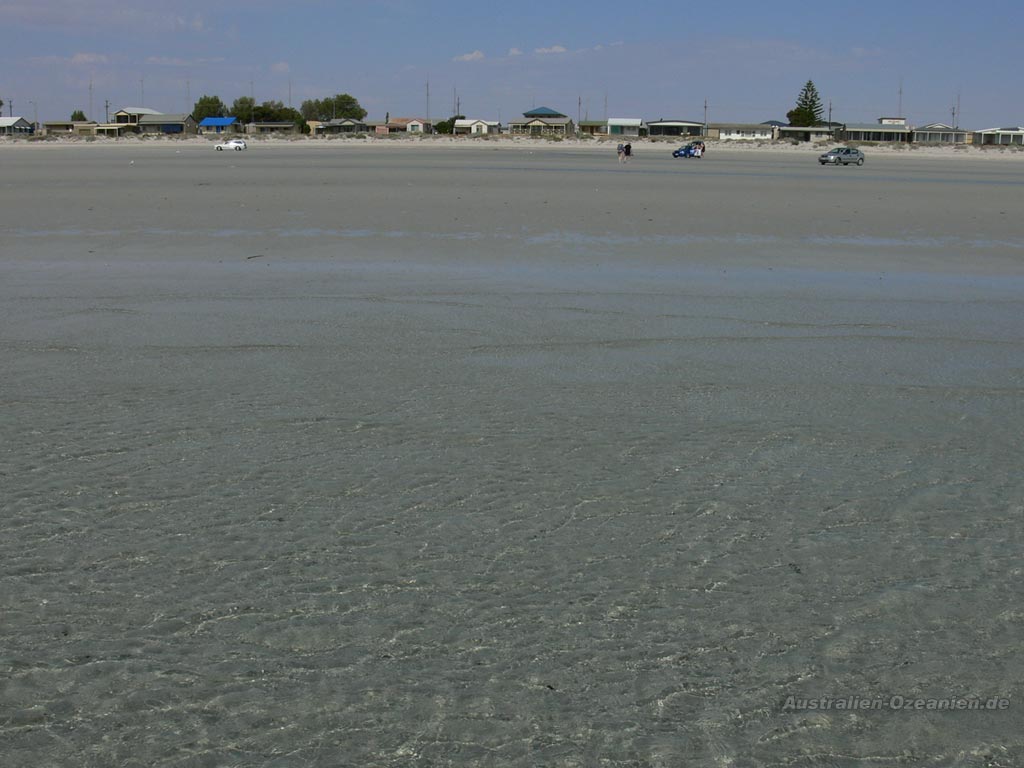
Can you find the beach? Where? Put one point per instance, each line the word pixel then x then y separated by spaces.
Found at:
pixel 378 454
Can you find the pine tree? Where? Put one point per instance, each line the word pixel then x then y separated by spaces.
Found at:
pixel 808 108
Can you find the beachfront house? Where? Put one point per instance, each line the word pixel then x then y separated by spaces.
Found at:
pixel 219 125
pixel 16 126
pixel 741 131
pixel 940 133
pixel 341 125
pixel 381 127
pixel 270 127
pixel 130 116
pixel 674 128
pixel 1000 137
pixel 596 128
pixel 542 121
pixel 70 128
pixel 167 125
pixel 113 130
pixel 626 127
pixel 806 132
pixel 416 124
pixel 477 127
pixel 886 130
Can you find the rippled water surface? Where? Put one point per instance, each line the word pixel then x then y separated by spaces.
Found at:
pixel 331 457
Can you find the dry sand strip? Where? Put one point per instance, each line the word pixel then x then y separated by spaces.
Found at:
pixel 1000 154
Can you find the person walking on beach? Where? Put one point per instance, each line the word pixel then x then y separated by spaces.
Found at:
pixel 628 151
pixel 622 153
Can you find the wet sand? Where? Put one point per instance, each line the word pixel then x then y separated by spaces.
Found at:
pixel 483 458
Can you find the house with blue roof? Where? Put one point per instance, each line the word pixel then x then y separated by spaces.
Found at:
pixel 219 125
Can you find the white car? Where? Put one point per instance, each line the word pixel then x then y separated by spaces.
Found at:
pixel 231 144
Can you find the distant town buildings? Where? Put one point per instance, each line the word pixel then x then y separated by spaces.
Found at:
pixel 542 122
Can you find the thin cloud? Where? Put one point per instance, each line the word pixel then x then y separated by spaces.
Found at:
pixel 79 14
pixel 77 60
pixel 514 52
pixel 280 67
pixel 87 59
pixel 167 61
pixel 552 49
pixel 474 56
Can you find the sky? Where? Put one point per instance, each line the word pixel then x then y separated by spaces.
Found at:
pixel 746 60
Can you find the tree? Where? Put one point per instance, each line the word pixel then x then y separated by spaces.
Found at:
pixel 209 106
pixel 808 108
pixel 340 105
pixel 78 116
pixel 268 112
pixel 448 126
pixel 243 108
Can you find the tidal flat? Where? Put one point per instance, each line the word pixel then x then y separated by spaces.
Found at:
pixel 350 456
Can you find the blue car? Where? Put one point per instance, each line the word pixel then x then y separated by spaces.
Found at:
pixel 695 149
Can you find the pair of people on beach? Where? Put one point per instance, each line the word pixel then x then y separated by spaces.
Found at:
pixel 625 152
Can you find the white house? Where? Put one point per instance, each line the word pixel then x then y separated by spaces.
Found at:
pixel 1000 136
pixel 741 131
pixel 626 126
pixel 940 133
pixel 477 127
pixel 805 133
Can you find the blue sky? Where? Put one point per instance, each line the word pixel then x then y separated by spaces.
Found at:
pixel 649 60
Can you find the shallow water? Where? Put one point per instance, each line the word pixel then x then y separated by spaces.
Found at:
pixel 501 500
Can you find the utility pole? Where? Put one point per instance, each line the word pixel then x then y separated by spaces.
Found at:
pixel 188 97
pixel 705 116
pixel 252 103
pixel 90 101
pixel 430 128
pixel 289 93
pixel 579 112
pixel 899 110
pixel 106 110
pixel 830 114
